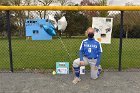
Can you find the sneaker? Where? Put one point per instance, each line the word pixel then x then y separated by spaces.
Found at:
pixel 99 69
pixel 76 80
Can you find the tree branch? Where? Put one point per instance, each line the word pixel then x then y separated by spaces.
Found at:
pixel 41 2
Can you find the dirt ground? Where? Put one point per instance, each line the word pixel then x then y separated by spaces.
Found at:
pixel 109 82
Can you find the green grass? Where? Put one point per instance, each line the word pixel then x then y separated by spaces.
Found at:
pixel 44 54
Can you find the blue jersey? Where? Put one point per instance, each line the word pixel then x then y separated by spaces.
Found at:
pixel 90 48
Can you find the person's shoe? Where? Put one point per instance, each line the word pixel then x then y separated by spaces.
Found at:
pixel 99 70
pixel 76 80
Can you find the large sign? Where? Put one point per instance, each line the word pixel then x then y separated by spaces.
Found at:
pixel 103 29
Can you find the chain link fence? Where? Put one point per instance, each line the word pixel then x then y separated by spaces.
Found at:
pixel 42 55
pixel 4 51
pixel 131 43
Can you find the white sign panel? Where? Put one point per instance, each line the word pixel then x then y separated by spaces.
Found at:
pixel 62 67
pixel 103 29
pixel 82 69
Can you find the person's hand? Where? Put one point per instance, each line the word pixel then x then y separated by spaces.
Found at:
pixel 81 63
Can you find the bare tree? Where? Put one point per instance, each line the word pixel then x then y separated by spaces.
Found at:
pixel 45 3
pixel 130 19
pixel 28 3
pixel 59 14
pixel 19 16
pixel 2 19
pixel 3 2
pixel 65 2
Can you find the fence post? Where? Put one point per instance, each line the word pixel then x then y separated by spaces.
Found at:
pixel 120 46
pixel 9 39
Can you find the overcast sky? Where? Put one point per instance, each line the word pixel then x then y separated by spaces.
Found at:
pixel 115 2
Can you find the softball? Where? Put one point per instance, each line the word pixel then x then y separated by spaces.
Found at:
pixel 53 72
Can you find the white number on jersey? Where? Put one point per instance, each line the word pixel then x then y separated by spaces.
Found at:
pixel 89 50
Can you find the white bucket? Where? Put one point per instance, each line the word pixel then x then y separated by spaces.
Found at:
pixel 82 70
